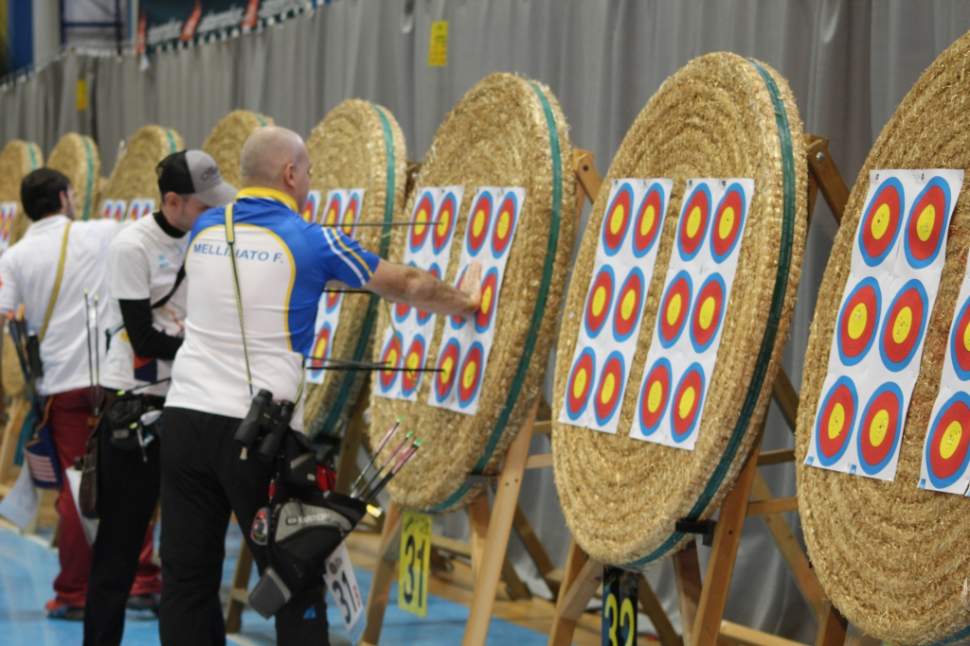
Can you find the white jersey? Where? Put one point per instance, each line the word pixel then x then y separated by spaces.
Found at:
pixel 143 263
pixel 27 272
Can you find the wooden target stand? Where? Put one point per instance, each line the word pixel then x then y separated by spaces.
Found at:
pixel 490 528
pixel 702 604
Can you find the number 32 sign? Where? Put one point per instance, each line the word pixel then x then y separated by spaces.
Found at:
pixel 619 621
pixel 414 567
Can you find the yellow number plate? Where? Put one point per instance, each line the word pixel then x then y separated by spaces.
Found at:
pixel 414 566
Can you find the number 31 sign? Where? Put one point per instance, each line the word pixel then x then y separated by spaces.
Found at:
pixel 414 567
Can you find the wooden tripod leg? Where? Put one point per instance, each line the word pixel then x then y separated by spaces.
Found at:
pixel 478 528
pixel 535 550
pixel 580 580
pixel 239 593
pixel 383 577
pixel 687 573
pixel 727 537
pixel 499 531
pixel 831 627
pixel 658 617
pixel 11 435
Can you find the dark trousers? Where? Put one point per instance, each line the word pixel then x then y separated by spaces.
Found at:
pixel 203 481
pixel 128 485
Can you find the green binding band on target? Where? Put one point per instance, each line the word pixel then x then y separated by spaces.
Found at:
pixel 954 638
pixel 259 119
pixel 32 151
pixel 537 314
pixel 89 182
pixel 172 146
pixel 771 329
pixel 347 382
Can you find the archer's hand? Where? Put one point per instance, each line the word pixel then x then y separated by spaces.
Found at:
pixel 471 286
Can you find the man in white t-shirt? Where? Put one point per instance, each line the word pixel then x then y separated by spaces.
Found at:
pixel 284 264
pixel 144 329
pixel 28 273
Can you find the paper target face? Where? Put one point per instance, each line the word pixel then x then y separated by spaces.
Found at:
pixel 835 419
pixel 654 396
pixel 472 367
pixel 599 301
pixel 444 381
pixel 444 226
pixel 880 428
pixel 479 223
pixel 391 357
pixel 728 222
pixel 687 402
pixel 350 214
pixel 881 222
pixel 608 388
pixel 420 228
pixel 674 308
pixel 629 303
pixel 694 219
pixel 616 222
pixel 904 325
pixel 504 224
pixel 858 321
pixel 579 387
pixel 960 341
pixel 926 224
pixel 413 361
pixel 311 208
pixel 946 453
pixel 708 313
pixel 646 226
pixel 331 301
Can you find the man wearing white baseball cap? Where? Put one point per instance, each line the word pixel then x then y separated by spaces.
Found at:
pixel 145 316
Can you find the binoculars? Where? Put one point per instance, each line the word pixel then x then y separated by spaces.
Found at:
pixel 266 422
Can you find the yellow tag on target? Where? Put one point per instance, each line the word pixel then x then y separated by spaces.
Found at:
pixel 414 568
pixel 438 44
pixel 81 95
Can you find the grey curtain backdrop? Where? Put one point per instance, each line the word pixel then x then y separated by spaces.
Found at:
pixel 849 63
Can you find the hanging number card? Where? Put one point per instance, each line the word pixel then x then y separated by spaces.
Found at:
pixel 693 307
pixel 467 341
pixel 341 214
pixel 404 347
pixel 894 275
pixel 625 256
pixel 946 449
pixel 341 582
pixel 618 625
pixel 414 566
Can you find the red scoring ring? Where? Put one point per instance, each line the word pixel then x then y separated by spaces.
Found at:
pixel 479 223
pixel 410 378
pixel 420 227
pixel 466 393
pixel 506 214
pixel 660 375
pixel 698 202
pixel 603 283
pixel 643 240
pixel 445 380
pixel 391 358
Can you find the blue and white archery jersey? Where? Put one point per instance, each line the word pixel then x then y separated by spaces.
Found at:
pixel 284 264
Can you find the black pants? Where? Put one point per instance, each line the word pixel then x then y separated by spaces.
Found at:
pixel 127 494
pixel 203 480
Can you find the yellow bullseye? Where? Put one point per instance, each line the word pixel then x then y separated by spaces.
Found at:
pixel 579 383
pixel 478 224
pixel 486 299
pixel 392 356
pixel 616 219
pixel 878 428
pixel 836 421
pixel 646 222
pixel 966 338
pixel 468 378
pixel 446 367
pixel 320 350
pixel 504 224
pixel 332 216
pixel 693 222
pixel 706 317
pixel 903 324
pixel 686 404
pixel 951 439
pixel 413 361
pixel 599 300
pixel 444 220
pixel 609 387
pixel 420 222
pixel 673 309
pixel 655 396
pixel 880 222
pixel 857 321
pixel 925 222
pixel 628 304
pixel 727 222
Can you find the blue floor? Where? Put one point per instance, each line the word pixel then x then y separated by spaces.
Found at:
pixel 27 568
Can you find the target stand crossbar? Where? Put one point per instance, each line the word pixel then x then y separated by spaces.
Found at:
pixel 490 528
pixel 702 603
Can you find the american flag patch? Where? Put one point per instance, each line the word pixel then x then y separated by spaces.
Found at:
pixel 42 469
